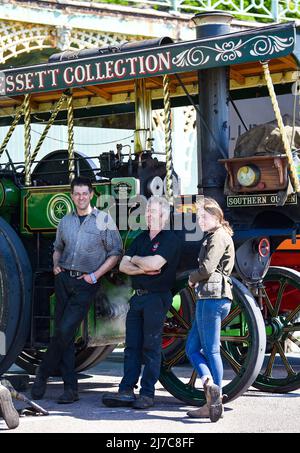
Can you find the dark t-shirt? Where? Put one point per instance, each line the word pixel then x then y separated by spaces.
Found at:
pixel 82 218
pixel 165 244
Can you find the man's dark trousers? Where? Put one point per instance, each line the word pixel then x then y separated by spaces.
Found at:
pixel 73 299
pixel 144 325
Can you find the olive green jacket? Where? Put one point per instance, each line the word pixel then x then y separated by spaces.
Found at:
pixel 216 261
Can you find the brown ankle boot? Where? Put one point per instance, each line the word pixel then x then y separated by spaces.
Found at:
pixel 201 412
pixel 214 400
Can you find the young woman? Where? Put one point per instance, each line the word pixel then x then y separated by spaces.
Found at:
pixel 212 285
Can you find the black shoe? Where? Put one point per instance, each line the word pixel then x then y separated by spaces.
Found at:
pixel 69 396
pixel 143 402
pixel 121 399
pixel 7 409
pixel 38 388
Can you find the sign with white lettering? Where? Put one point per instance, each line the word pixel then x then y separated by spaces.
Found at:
pixel 251 45
pixel 244 201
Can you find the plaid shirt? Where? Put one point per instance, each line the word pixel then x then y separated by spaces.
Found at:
pixel 85 247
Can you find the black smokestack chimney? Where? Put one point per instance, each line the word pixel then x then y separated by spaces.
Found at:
pixel 213 104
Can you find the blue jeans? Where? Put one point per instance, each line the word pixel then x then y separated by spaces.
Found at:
pixel 144 326
pixel 203 343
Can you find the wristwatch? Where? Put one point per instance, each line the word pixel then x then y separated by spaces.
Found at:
pixel 93 277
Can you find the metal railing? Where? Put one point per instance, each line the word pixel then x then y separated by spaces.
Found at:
pixel 258 10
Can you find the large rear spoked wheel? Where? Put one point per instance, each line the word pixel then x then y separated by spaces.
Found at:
pixel 243 335
pixel 15 295
pixel 281 297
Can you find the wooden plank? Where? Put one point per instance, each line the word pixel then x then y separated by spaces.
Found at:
pixel 237 76
pixel 289 61
pixel 18 100
pixel 53 97
pixel 158 81
pixel 277 66
pixel 99 92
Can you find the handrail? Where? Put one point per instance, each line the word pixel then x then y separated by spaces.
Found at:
pixel 276 11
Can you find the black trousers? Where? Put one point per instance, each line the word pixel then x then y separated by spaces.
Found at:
pixel 144 326
pixel 73 299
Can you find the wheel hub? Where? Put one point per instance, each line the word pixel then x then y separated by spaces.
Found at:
pixel 277 329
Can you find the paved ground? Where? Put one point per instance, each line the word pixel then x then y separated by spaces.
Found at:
pixel 253 412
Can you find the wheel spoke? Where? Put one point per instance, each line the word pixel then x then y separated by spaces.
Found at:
pixel 193 294
pixel 235 339
pixel 179 318
pixel 268 302
pixel 294 328
pixel 174 360
pixel 286 363
pixel 233 363
pixel 271 361
pixel 193 378
pixel 292 314
pixel 233 314
pixel 283 284
pixel 294 340
pixel 174 335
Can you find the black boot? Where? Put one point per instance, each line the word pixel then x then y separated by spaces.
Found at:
pixel 123 398
pixel 143 402
pixel 69 396
pixel 38 388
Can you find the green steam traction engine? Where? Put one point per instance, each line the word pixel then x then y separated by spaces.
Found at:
pixel 34 195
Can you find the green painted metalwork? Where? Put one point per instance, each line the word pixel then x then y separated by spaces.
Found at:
pixel 9 198
pixel 9 194
pixel 43 207
pixel 124 188
pixel 247 46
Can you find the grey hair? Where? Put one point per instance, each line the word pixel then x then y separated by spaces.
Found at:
pixel 162 202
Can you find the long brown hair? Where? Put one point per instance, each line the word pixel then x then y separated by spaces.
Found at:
pixel 212 207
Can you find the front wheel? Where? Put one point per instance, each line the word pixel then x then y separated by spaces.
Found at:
pixel 243 330
pixel 281 309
